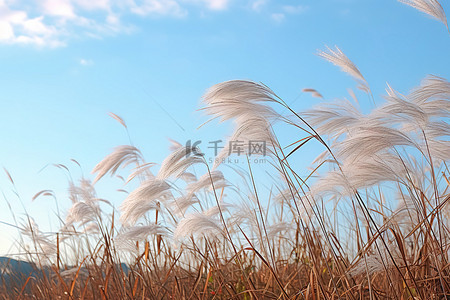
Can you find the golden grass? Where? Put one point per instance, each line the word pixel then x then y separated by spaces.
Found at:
pixel 374 226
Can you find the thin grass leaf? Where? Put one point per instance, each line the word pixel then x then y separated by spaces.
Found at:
pixel 431 7
pixel 118 119
pixel 338 58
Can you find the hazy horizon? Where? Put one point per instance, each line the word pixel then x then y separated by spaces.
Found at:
pixel 67 64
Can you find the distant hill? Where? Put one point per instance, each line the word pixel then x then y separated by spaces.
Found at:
pixel 17 271
pixel 10 265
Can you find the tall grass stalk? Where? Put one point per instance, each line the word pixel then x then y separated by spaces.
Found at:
pixel 370 220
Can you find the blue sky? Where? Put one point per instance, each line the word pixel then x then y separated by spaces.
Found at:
pixel 64 64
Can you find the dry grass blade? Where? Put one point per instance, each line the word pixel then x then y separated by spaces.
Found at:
pixel 43 192
pixel 122 156
pixel 61 280
pixel 302 142
pixel 338 58
pixel 76 277
pixel 143 199
pixel 178 161
pixel 118 119
pixel 9 175
pixel 197 223
pixel 24 286
pixel 313 92
pixel 431 7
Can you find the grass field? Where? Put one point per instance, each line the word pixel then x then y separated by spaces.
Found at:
pixel 370 220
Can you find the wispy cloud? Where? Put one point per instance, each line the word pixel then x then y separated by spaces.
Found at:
pixel 212 4
pixel 278 17
pixel 94 4
pixel 58 8
pixel 157 7
pixel 288 10
pixel 295 9
pixel 52 23
pixel 16 27
pixel 86 62
pixel 258 4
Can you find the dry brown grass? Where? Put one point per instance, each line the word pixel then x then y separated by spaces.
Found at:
pixel 374 226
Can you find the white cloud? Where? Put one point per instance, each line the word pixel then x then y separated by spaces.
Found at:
pixel 37 27
pixel 38 41
pixel 295 9
pixel 278 17
pixel 93 4
pixel 58 8
pixel 56 22
pixel 86 62
pixel 158 7
pixel 288 10
pixel 258 4
pixel 172 7
pixel 210 4
pixel 216 4
pixel 17 28
pixel 51 23
pixel 113 19
pixel 6 31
